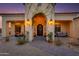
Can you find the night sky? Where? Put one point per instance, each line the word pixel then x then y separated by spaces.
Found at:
pixel 19 8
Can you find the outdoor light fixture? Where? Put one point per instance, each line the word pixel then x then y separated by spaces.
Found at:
pixel 28 22
pixel 50 19
pixel 51 22
pixel 27 19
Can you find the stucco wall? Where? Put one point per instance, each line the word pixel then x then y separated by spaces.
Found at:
pixel 14 17
pixel 64 16
pixel 76 28
pixel 65 26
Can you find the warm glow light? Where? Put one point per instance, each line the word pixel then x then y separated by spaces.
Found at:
pixel 51 22
pixel 18 24
pixel 57 23
pixel 28 23
pixel 9 24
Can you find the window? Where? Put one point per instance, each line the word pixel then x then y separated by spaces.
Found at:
pixel 17 29
pixel 57 28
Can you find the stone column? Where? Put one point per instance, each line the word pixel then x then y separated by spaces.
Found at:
pixel 51 22
pixel 12 29
pixel 22 29
pixel 30 33
pixel 3 26
pixel 28 24
pixel 7 29
pixel 53 19
pixel 28 30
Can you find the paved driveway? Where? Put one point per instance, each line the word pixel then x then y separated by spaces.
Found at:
pixel 39 47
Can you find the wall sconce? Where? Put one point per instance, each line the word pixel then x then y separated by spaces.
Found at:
pixel 28 22
pixel 51 22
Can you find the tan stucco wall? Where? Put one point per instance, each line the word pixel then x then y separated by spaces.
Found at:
pixel 65 26
pixel 15 17
pixel 64 16
pixel 76 28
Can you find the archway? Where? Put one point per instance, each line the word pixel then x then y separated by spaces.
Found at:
pixel 39 24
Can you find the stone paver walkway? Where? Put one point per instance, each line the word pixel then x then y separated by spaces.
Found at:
pixel 39 47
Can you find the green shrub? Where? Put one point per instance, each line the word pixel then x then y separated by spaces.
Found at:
pixel 50 37
pixel 20 42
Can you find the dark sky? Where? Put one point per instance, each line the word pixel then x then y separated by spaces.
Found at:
pixel 67 7
pixel 19 8
pixel 11 8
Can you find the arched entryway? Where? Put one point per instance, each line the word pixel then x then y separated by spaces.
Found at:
pixel 39 24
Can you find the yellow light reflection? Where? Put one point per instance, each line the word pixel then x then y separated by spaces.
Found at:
pixel 57 23
pixel 18 24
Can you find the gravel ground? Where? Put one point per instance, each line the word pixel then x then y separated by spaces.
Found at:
pixel 38 47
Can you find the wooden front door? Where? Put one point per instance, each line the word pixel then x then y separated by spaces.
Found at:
pixel 39 30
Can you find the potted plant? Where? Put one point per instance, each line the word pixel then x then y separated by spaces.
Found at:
pixel 50 37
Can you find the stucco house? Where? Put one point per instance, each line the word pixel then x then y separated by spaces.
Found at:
pixel 39 20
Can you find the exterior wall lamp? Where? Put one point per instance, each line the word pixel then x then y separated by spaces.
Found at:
pixel 51 22
pixel 28 22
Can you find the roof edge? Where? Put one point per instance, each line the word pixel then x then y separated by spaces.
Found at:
pixel 11 13
pixel 55 13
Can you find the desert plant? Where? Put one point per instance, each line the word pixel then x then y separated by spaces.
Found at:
pixel 7 39
pixel 50 37
pixel 57 42
pixel 27 36
pixel 20 41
